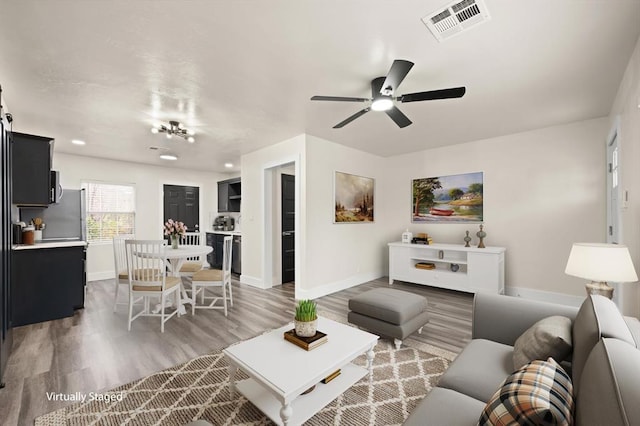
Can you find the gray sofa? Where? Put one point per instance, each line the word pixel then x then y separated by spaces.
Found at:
pixel 604 365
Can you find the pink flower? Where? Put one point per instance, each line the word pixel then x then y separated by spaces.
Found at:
pixel 174 227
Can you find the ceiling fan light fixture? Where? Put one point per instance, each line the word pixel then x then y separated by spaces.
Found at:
pixel 190 139
pixel 154 130
pixel 382 104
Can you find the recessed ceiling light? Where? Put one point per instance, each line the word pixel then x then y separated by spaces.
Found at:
pixel 169 157
pixel 228 165
pixel 78 142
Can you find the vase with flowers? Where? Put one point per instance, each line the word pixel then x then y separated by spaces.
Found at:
pixel 174 230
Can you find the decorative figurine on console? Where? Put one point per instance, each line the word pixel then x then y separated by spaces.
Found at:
pixel 467 240
pixel 481 234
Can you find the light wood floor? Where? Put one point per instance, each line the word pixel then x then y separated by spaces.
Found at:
pixel 92 351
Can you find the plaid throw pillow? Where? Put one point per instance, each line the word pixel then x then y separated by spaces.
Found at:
pixel 539 393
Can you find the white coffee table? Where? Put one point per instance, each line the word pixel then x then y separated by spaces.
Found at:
pixel 280 371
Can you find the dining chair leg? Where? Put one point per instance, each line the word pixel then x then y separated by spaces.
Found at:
pixel 230 294
pixel 115 300
pixel 162 308
pixel 194 293
pixel 224 298
pixel 202 290
pixel 130 312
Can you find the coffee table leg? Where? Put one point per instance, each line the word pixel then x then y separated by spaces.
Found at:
pixel 370 356
pixel 232 379
pixel 285 413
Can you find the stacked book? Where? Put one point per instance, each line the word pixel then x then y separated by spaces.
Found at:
pixel 306 343
pixel 422 238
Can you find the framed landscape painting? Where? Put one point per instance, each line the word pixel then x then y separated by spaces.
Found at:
pixel 448 199
pixel 353 197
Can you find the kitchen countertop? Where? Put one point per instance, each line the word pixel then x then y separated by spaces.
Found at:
pixel 49 244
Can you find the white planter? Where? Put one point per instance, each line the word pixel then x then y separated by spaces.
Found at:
pixel 306 328
pixel 37 235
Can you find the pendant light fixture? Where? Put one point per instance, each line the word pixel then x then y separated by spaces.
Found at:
pixel 174 128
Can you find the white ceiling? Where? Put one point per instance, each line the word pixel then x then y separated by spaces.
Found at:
pixel 240 73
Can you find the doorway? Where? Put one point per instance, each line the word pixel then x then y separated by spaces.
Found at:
pixel 274 210
pixel 182 203
pixel 613 181
pixel 614 231
pixel 288 221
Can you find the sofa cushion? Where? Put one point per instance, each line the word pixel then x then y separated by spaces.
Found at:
pixel 610 386
pixel 445 407
pixel 539 393
pixel 388 304
pixel 479 370
pixel 634 328
pixel 549 337
pixel 598 317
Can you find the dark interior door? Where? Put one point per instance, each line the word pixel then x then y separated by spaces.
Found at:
pixel 182 203
pixel 288 228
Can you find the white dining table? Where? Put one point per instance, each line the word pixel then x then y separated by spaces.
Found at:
pixel 175 258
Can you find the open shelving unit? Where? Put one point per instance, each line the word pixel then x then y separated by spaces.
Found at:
pixel 478 269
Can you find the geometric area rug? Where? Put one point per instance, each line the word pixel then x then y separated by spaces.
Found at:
pixel 198 389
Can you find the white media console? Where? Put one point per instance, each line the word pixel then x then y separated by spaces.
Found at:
pixel 478 269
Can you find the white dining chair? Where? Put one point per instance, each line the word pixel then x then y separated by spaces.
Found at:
pixel 148 278
pixel 120 268
pixel 207 278
pixel 192 264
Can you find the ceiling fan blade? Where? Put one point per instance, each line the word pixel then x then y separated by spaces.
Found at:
pixel 397 73
pixel 350 119
pixel 338 99
pixel 455 92
pixel 400 119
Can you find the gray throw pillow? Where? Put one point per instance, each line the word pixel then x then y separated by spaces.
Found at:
pixel 549 337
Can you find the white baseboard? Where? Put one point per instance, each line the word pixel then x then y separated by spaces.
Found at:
pixel 252 281
pixel 101 275
pixel 314 293
pixel 545 296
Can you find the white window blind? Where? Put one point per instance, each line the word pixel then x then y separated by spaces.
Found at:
pixel 110 210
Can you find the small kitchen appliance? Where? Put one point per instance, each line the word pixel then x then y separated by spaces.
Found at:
pixel 223 223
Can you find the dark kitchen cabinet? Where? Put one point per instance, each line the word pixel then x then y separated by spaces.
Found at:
pixel 216 241
pixel 47 284
pixel 31 180
pixel 229 195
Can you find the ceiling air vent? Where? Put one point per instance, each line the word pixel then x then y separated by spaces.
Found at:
pixel 455 18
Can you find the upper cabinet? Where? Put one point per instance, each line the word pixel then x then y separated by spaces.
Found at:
pixel 31 156
pixel 229 195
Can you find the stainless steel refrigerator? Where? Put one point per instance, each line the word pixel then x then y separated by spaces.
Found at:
pixel 5 247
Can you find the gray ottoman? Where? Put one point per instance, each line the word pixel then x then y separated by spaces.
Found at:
pixel 389 312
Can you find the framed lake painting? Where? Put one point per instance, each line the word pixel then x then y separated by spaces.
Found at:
pixel 448 199
pixel 353 198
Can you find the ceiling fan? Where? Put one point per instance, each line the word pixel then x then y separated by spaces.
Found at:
pixel 382 95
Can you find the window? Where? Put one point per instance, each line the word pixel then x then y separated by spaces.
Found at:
pixel 111 210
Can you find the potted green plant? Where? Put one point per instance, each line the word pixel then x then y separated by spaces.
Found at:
pixel 306 320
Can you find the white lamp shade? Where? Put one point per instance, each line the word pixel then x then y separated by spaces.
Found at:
pixel 601 263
